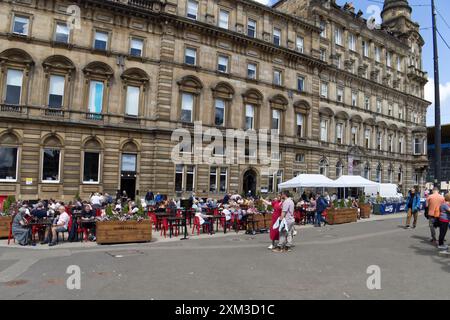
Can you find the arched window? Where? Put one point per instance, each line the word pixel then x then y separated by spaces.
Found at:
pixel 339 169
pixel 135 82
pixel 323 166
pixel 190 89
pixel 278 105
pixel 252 101
pixel 302 109
pixel 9 157
pixel 400 175
pixel 59 75
pixel 15 66
pixel 92 151
pixel 390 174
pixel 223 94
pixel 98 77
pixel 51 159
pixel 379 173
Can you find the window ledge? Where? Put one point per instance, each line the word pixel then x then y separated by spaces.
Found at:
pixel 8 181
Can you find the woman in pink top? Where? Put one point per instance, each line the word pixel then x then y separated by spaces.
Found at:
pixel 274 233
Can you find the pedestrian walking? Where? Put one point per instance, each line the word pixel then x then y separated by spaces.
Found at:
pixel 274 232
pixel 433 204
pixel 287 222
pixel 444 220
pixel 412 207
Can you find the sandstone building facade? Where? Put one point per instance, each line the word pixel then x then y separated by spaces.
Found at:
pixel 91 93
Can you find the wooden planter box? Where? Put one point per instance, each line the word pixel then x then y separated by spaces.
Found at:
pixel 340 216
pixel 4 226
pixel 366 210
pixel 261 221
pixel 123 231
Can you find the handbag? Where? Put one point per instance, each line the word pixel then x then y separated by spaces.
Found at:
pixel 276 225
pixel 427 216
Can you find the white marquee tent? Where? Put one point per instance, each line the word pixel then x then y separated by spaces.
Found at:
pixel 353 182
pixel 307 181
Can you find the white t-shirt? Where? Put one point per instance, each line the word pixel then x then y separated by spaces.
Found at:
pixel 64 218
pixel 95 200
pixel 227 214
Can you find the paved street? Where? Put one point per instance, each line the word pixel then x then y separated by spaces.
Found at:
pixel 327 263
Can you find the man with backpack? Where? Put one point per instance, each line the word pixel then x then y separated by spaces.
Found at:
pixel 321 206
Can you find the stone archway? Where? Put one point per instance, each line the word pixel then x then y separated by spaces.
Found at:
pixel 249 182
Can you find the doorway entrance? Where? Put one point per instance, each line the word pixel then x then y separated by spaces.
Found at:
pixel 249 182
pixel 128 175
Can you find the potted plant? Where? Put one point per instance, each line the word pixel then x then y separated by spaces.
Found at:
pixel 5 216
pixel 377 205
pixel 365 207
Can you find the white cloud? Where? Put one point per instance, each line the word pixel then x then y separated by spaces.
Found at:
pixel 445 102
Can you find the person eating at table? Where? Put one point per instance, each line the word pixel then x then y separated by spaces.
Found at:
pixel 39 212
pixel 203 218
pixel 61 225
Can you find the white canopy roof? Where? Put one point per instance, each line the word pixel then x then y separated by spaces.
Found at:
pixel 307 181
pixel 352 182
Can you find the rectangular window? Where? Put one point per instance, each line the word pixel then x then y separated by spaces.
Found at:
pixel 129 162
pixel 379 141
pixel 213 179
pixel 354 99
pixel 277 77
pixel 187 107
pixel 324 130
pixel 323 54
pixel 367 134
pixel 251 28
pixel 377 54
pixel 222 64
pixel 14 80
pixel 21 25
pixel 351 42
pixel 276 120
pixel 323 27
pixel 301 84
pixel 300 126
pixel 132 106
pixel 400 145
pixel 62 33
pixel 365 48
pixel 399 64
pixel 324 90
pixel 223 19
pixel 91 167
pixel 50 165
pixel 390 141
pixel 417 146
pixel 192 9
pixel 379 106
pixel 249 117
pixel 338 36
pixel 136 47
pixel 220 112
pixel 179 177
pixel 8 164
pixel 276 36
pixel 339 133
pixel 340 95
pixel 300 43
pixel 388 59
pixel 56 91
pixel 251 71
pixel 274 180
pixel 190 171
pixel 96 97
pixel 190 56
pixel 390 110
pixel 223 179
pixel 354 136
pixel 101 40
pixel 367 103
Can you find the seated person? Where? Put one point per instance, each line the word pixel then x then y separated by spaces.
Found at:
pixel 87 212
pixel 61 225
pixel 21 233
pixel 39 212
pixel 204 219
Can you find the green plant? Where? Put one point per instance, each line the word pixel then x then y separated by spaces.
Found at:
pixel 336 203
pixel 342 203
pixel 7 203
pixel 362 198
pixel 269 208
pixel 379 199
pixel 125 208
pixel 109 211
pixel 349 203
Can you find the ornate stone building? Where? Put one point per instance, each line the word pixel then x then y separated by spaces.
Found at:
pixel 90 94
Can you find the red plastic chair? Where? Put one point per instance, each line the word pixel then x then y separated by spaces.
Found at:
pixel 98 212
pixel 164 227
pixel 10 235
pixel 197 226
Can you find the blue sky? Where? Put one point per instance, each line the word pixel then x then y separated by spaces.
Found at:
pixel 422 15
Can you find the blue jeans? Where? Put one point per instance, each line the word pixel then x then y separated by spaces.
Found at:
pixel 319 219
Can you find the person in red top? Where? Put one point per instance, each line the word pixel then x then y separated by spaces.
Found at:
pixel 274 233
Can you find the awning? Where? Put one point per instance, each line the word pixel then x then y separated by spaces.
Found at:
pixel 307 181
pixel 353 182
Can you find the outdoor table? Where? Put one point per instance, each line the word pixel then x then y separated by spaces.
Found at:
pixel 160 216
pixel 171 221
pixel 217 218
pixel 40 223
